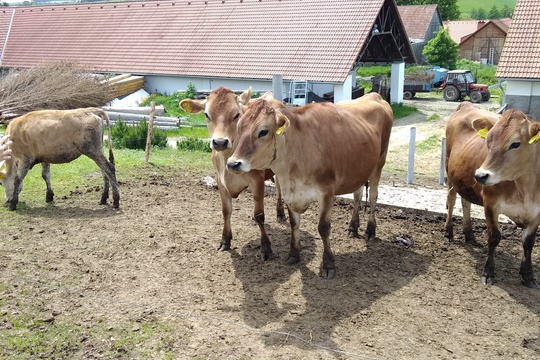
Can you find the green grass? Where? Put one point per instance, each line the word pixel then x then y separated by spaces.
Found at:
pixel 401 110
pixel 465 6
pixel 429 144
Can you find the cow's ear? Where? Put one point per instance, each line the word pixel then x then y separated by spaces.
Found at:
pixel 534 132
pixel 244 98
pixel 268 96
pixel 482 126
pixel 282 122
pixel 192 106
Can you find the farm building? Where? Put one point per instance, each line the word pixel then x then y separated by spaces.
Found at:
pixel 519 65
pixel 307 46
pixel 422 23
pixel 479 40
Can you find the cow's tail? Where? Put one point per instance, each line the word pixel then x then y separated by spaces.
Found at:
pixel 105 117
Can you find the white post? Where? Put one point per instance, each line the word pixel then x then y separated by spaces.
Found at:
pixel 397 79
pixel 443 162
pixel 277 87
pixel 412 145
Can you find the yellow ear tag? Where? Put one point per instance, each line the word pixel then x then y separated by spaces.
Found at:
pixel 535 138
pixel 280 130
pixel 2 175
pixel 187 107
pixel 483 132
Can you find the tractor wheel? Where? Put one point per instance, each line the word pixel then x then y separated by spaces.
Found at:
pixel 486 96
pixel 451 93
pixel 408 95
pixel 476 96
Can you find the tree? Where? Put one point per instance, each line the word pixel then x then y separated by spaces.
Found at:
pixel 442 50
pixel 506 11
pixel 481 15
pixel 494 13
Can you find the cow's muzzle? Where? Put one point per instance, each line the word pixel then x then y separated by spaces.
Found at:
pixel 220 144
pixel 485 177
pixel 237 166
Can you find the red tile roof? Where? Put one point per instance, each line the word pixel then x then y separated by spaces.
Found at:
pixel 460 28
pixel 520 57
pixel 416 19
pixel 316 40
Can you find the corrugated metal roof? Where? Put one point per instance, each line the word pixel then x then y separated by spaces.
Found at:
pixel 416 19
pixel 520 58
pixel 316 40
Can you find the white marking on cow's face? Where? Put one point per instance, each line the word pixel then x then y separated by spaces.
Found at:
pixel 238 166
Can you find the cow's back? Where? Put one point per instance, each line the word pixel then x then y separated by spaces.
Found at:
pixel 56 136
pixel 337 145
pixel 465 150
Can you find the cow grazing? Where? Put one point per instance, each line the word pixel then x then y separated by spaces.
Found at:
pixel 222 109
pixel 5 151
pixel 317 151
pixel 57 137
pixel 506 167
pixel 465 151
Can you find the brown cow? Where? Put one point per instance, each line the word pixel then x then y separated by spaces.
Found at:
pixel 462 142
pixel 57 137
pixel 507 166
pixel 317 151
pixel 222 109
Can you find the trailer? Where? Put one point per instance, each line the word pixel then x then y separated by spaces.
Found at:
pixel 426 81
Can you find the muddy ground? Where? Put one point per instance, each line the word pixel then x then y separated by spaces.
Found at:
pixel 152 269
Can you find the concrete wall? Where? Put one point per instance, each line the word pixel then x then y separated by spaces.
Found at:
pixel 524 95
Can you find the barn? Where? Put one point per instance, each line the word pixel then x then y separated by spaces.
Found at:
pixel 519 64
pixel 479 40
pixel 422 23
pixel 309 46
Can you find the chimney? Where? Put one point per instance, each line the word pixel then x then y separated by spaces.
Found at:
pixel 481 23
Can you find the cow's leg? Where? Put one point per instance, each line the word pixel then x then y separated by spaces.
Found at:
pixel 467 223
pixel 18 184
pixel 280 210
pixel 371 229
pixel 294 253
pixel 494 237
pixel 526 270
pixel 226 210
pixel 328 268
pixel 257 186
pixel 354 224
pixel 46 175
pixel 109 171
pixel 450 203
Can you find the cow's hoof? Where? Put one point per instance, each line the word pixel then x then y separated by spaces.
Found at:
pixel 267 255
pixel 353 233
pixel 12 207
pixel 532 284
pixel 224 247
pixel 487 280
pixel 281 218
pixel 292 260
pixel 473 242
pixel 328 274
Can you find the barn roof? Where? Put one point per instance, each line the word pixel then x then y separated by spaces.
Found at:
pixel 315 40
pixel 502 24
pixel 417 19
pixel 520 57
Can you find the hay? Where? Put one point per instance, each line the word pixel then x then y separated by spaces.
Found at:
pixel 60 85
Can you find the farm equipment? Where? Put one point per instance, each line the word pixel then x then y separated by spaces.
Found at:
pixel 461 83
pixel 423 82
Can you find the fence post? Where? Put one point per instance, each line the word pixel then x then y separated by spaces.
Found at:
pixel 443 162
pixel 412 145
pixel 150 131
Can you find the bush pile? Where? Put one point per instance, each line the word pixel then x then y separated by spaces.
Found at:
pixel 134 137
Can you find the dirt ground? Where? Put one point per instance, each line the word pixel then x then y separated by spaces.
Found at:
pixel 153 264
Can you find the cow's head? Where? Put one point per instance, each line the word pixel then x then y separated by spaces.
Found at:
pixel 7 180
pixel 222 109
pixel 257 131
pixel 511 144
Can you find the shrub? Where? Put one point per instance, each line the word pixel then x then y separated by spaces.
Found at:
pixel 134 137
pixel 193 144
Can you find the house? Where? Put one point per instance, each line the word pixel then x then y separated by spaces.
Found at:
pixel 422 23
pixel 519 64
pixel 307 46
pixel 479 40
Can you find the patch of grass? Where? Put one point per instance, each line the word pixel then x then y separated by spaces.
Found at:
pixel 429 144
pixel 401 110
pixel 433 117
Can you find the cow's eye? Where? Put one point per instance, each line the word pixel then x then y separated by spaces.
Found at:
pixel 206 116
pixel 515 145
pixel 263 133
pixel 236 116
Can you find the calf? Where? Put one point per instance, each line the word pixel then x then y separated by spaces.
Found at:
pixel 222 109
pixel 317 151
pixel 57 137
